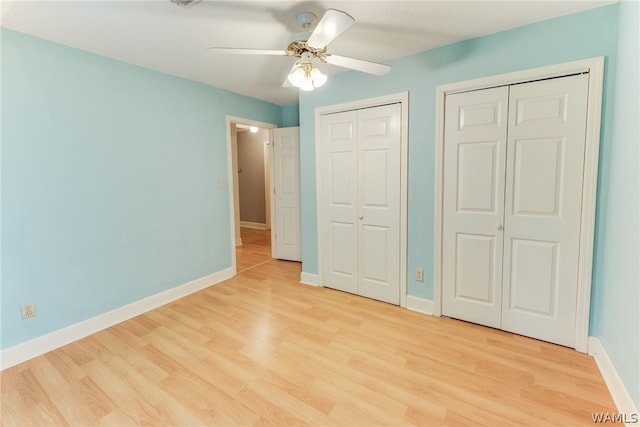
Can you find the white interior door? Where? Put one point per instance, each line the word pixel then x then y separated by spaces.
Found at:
pixel 473 205
pixel 361 200
pixel 512 206
pixel 543 205
pixel 286 199
pixel 379 202
pixel 340 200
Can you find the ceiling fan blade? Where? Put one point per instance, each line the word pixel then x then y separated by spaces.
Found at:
pixel 243 51
pixel 333 23
pixel 359 65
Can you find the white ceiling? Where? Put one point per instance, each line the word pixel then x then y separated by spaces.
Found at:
pixel 160 35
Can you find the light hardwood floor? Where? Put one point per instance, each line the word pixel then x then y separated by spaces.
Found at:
pixel 255 249
pixel 262 349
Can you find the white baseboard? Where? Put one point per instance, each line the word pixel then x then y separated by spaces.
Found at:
pixel 256 225
pixel 420 305
pixel 618 390
pixel 22 352
pixel 310 279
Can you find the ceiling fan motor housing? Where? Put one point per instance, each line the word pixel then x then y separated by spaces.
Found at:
pixel 302 36
pixel 298 41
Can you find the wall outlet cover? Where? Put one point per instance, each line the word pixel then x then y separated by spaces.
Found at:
pixel 28 309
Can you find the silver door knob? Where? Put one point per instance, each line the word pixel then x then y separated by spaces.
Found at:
pixel 361 217
pixel 499 227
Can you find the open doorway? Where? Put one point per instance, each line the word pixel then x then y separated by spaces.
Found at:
pixel 251 182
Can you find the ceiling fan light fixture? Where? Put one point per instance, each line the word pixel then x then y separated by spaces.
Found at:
pixel 317 77
pixel 306 76
pixel 186 3
pixel 310 47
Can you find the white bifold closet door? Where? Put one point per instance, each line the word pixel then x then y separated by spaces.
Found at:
pixel 361 202
pixel 514 160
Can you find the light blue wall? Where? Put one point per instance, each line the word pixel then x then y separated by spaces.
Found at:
pixel 616 294
pixel 573 37
pixel 290 115
pixel 110 182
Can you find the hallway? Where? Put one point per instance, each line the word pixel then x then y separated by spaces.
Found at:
pixel 255 249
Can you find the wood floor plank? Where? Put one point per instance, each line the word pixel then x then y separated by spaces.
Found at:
pixel 261 349
pixel 136 380
pixel 292 401
pixel 255 248
pixel 206 401
pixel 122 396
pixel 175 414
pixel 358 405
pixel 272 414
pixel 298 382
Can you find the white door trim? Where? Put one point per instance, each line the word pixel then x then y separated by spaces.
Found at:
pixel 403 99
pixel 232 179
pixel 595 68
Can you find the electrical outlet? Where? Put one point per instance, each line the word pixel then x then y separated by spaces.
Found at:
pixel 419 275
pixel 28 310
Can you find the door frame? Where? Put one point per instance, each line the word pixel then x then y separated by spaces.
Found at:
pixel 595 68
pixel 232 180
pixel 403 99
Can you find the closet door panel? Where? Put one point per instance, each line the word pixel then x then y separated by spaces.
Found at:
pixel 545 162
pixel 473 205
pixel 475 268
pixel 534 276
pixel 537 180
pixel 379 202
pixel 339 196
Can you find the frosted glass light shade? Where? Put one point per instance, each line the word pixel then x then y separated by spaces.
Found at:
pixel 306 77
pixel 318 78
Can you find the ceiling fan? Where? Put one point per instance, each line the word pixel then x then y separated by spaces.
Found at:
pixel 310 46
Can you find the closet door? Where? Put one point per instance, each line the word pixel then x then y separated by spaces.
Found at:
pixel 379 203
pixel 511 211
pixel 340 200
pixel 473 205
pixel 543 207
pixel 361 202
